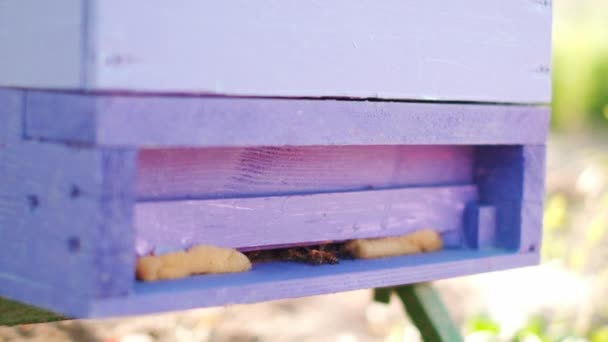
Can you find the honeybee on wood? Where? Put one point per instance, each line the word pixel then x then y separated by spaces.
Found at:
pixel 314 255
pixel 421 241
pixel 318 256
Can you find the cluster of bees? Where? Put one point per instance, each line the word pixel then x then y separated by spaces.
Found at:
pixel 204 259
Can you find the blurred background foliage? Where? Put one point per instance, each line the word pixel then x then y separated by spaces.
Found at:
pixel 580 65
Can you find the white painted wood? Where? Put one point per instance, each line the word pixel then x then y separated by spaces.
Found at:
pixel 469 50
pixel 480 50
pixel 41 43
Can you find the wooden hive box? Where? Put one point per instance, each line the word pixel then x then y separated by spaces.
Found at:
pixel 135 126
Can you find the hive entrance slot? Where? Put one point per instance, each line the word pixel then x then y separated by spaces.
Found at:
pixel 222 197
pixel 205 259
pixel 273 196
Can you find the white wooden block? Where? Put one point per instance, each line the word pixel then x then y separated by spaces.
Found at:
pixel 41 43
pixel 470 50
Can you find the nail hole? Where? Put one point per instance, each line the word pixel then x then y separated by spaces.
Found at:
pixel 33 201
pixel 73 244
pixel 75 191
pixel 532 248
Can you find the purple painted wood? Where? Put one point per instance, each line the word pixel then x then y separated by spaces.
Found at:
pixel 69 221
pixel 502 167
pixel 531 226
pixel 165 121
pixel 263 171
pixel 65 217
pixel 480 226
pixel 11 121
pixel 289 280
pixel 251 222
pixel 534 157
pixel 115 260
pixel 511 178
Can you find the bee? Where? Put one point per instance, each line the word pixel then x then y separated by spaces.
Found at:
pixel 262 255
pixel 314 255
pixel 320 256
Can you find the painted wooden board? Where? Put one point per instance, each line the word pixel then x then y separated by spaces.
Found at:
pixel 480 226
pixel 269 221
pixel 11 119
pixel 203 173
pixel 171 121
pixel 290 280
pixel 69 222
pixel 471 50
pixel 512 178
pixel 65 218
pixel 42 43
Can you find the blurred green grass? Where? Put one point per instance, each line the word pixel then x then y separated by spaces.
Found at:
pixel 580 66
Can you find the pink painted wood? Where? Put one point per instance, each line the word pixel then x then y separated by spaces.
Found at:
pixel 262 171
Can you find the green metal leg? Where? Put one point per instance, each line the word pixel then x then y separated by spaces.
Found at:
pixel 14 313
pixel 383 295
pixel 426 310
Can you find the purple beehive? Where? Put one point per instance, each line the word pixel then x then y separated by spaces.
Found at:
pixel 271 123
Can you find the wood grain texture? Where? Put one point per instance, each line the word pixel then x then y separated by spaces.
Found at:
pixel 473 50
pixel 269 221
pixel 203 173
pixel 67 209
pixel 41 43
pixel 165 121
pixel 290 280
